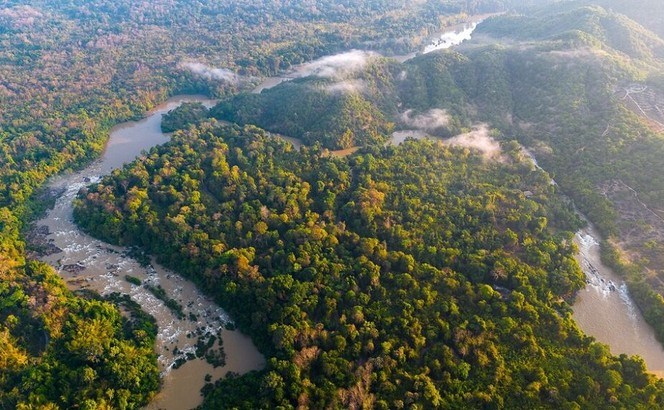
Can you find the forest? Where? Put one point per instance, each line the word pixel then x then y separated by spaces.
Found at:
pixel 419 275
pixel 69 71
pixel 377 280
pixel 556 81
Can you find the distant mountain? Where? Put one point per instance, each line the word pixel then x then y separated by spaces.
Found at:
pixel 591 26
pixel 647 12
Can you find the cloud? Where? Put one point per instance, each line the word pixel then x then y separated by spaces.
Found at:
pixel 211 73
pixel 347 87
pixel 337 66
pixel 478 139
pixel 428 121
pixel 574 54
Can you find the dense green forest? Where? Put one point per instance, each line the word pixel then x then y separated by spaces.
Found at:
pixel 560 80
pixel 329 112
pixel 69 71
pixel 417 275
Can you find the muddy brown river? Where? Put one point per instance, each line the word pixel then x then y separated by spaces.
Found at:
pixel 605 310
pixel 88 263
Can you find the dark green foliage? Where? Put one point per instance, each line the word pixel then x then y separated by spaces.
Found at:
pixel 160 294
pixel 311 111
pixel 133 280
pixel 185 114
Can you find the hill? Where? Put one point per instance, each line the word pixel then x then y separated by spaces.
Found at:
pixel 580 87
pixel 340 102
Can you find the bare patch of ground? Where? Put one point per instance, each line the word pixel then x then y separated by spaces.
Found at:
pixel 646 102
pixel 641 230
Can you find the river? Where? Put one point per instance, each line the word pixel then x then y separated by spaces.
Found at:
pixel 605 310
pixel 88 263
pixel 450 37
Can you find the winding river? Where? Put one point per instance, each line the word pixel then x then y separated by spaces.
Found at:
pixel 603 309
pixel 88 263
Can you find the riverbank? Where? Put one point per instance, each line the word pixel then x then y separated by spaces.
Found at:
pixel 605 310
pixel 88 263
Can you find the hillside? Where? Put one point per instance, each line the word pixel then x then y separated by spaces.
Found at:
pixel 646 12
pixel 589 110
pixel 590 26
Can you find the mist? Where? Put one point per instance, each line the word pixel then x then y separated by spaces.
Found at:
pixel 478 139
pixel 428 121
pixel 211 73
pixel 338 66
pixel 347 87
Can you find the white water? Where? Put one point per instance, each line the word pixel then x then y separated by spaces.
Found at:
pixel 102 267
pixel 605 310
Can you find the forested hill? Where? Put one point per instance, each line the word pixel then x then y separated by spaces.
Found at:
pixel 69 71
pixel 343 108
pixel 418 275
pixel 648 13
pixel 580 85
pixel 585 98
